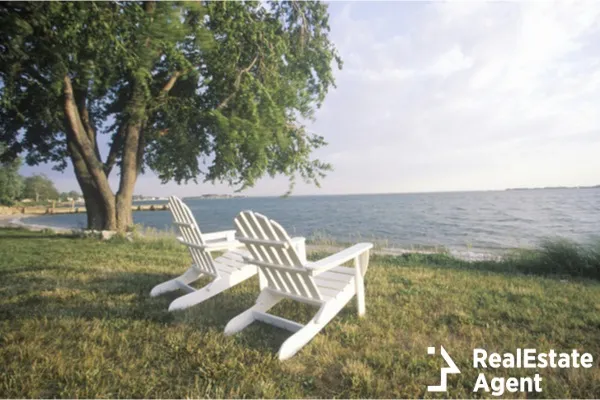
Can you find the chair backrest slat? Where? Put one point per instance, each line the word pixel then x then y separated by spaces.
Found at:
pixel 275 255
pixel 188 228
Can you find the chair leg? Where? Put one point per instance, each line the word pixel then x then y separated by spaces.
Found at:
pixel 266 300
pixel 364 262
pixel 299 339
pixel 200 295
pixel 189 276
pixel 359 285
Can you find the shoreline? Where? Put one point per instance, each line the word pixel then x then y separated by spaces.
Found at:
pixel 16 221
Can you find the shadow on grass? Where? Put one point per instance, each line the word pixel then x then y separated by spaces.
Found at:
pixel 124 296
pixel 16 233
pixel 36 268
pixel 61 237
pixel 119 295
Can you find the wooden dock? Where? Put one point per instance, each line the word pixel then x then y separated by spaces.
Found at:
pixel 81 210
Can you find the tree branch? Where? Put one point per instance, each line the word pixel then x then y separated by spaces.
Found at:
pixel 304 25
pixel 236 84
pixel 114 150
pixel 81 100
pixel 169 85
pixel 166 89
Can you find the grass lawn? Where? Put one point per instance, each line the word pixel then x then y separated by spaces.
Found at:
pixel 76 321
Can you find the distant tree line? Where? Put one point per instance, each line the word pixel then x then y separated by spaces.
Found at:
pixel 14 187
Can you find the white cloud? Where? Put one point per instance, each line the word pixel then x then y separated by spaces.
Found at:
pixel 454 93
pixel 450 62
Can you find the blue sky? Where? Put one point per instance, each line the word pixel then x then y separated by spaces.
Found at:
pixel 450 96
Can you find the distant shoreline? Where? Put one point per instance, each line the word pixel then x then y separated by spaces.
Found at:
pixel 557 188
pixel 385 193
pixel 215 196
pixel 251 196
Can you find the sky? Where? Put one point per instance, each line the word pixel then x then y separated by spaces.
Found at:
pixel 448 96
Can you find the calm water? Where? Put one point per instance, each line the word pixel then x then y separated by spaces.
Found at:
pixel 462 220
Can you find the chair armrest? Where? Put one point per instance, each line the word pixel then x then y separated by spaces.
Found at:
pixel 337 259
pixel 223 235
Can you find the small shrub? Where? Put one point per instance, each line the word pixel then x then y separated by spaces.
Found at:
pixel 553 257
pixel 429 259
pixel 7 202
pixel 564 257
pixel 560 257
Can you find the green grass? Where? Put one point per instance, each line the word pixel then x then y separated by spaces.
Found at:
pixel 76 321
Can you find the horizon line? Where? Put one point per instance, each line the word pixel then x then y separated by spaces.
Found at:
pixel 393 193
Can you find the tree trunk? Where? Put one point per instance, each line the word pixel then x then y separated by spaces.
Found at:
pixel 124 213
pixel 129 171
pixel 133 142
pixel 100 213
pixel 133 153
pixel 105 211
pixel 98 217
pixel 89 170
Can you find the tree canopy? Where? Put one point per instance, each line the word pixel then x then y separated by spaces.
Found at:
pixel 215 90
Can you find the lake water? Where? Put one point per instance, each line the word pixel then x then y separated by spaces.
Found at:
pixel 484 221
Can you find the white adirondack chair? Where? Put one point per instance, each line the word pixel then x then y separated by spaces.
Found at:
pixel 227 270
pixel 285 274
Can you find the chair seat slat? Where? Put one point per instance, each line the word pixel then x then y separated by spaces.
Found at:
pixel 302 299
pixel 274 266
pixel 329 284
pixel 273 243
